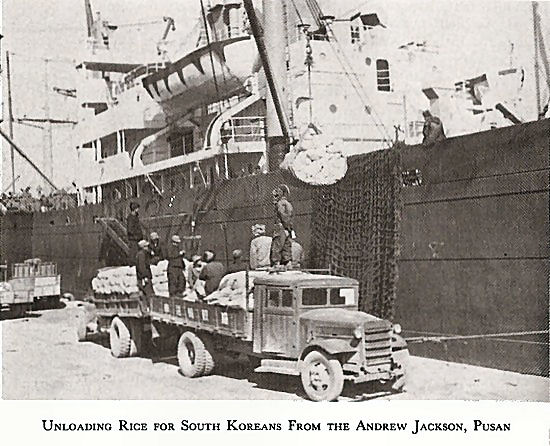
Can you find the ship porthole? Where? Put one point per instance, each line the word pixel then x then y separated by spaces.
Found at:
pixel 368 61
pixel 333 108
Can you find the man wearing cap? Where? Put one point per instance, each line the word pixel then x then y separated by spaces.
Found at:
pixel 194 270
pixel 143 270
pixel 176 271
pixel 157 253
pixel 134 232
pixel 260 248
pixel 237 264
pixel 281 247
pixel 212 272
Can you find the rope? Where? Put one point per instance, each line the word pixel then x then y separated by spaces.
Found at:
pixel 440 338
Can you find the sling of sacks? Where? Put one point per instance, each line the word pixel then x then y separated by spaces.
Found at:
pixel 232 290
pixel 122 280
pixel 316 159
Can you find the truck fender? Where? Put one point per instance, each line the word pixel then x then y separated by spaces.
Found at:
pixel 330 346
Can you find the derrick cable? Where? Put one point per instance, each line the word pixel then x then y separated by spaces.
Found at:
pixel 205 23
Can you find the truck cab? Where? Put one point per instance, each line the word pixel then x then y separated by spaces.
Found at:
pixel 310 325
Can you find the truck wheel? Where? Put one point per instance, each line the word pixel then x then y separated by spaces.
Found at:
pixel 322 377
pixel 119 336
pixel 191 355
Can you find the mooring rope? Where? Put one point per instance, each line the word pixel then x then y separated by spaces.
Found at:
pixel 440 338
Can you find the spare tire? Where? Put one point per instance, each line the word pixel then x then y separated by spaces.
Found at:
pixel 120 339
pixel 192 355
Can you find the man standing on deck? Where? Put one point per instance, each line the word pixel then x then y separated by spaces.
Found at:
pixel 143 272
pixel 433 128
pixel 237 264
pixel 176 265
pixel 157 253
pixel 281 247
pixel 134 231
pixel 212 272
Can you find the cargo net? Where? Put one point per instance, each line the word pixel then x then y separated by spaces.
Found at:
pixel 356 226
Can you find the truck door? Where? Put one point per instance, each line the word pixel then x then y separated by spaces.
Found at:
pixel 278 331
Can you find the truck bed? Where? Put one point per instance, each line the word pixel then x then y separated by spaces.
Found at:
pixel 229 321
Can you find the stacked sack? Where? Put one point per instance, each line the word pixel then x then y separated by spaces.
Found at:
pixel 232 290
pixel 115 280
pixel 316 159
pixel 160 278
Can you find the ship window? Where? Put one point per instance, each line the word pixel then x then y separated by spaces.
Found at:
pixel 355 34
pixel 383 75
pixel 314 296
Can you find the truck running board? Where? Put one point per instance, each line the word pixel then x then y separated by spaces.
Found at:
pixel 281 366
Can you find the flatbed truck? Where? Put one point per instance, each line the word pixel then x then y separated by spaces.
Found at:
pixel 300 324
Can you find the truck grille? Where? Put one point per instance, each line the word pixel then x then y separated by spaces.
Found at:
pixel 378 349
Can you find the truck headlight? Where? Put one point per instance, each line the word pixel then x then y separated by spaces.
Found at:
pixel 397 328
pixel 358 332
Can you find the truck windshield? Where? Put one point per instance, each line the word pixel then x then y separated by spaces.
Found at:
pixel 334 296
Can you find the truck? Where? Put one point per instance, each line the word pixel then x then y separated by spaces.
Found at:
pixel 295 323
pixel 29 285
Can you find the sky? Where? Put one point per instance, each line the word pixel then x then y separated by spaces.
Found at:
pixel 472 36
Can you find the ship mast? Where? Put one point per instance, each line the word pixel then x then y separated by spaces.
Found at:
pixel 271 43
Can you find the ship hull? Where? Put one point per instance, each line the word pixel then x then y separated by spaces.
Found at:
pixel 473 241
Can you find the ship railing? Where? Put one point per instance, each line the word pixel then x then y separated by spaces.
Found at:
pixel 129 81
pixel 244 129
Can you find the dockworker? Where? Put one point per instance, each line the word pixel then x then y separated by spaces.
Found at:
pixel 176 271
pixel 433 128
pixel 212 272
pixel 194 270
pixel 237 264
pixel 260 248
pixel 281 247
pixel 157 253
pixel 143 272
pixel 134 231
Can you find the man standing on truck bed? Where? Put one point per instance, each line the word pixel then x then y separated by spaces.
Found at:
pixel 134 232
pixel 176 268
pixel 157 253
pixel 212 272
pixel 260 248
pixel 143 271
pixel 281 247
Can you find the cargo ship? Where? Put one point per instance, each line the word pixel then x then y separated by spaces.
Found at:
pixel 449 238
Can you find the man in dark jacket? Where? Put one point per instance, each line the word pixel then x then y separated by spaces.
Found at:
pixel 157 253
pixel 176 268
pixel 143 272
pixel 281 247
pixel 212 272
pixel 237 264
pixel 433 128
pixel 134 231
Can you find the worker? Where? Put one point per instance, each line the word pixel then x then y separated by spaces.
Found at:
pixel 433 128
pixel 194 270
pixel 212 272
pixel 176 271
pixel 143 272
pixel 134 231
pixel 157 253
pixel 297 254
pixel 260 248
pixel 237 264
pixel 281 247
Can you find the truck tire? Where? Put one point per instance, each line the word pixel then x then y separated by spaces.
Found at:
pixel 120 339
pixel 322 377
pixel 192 355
